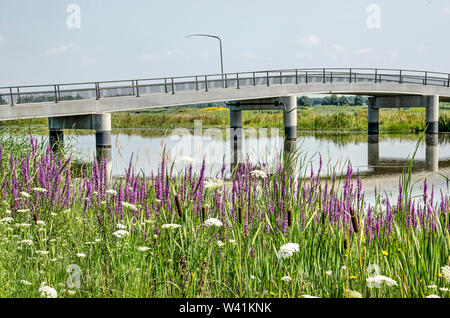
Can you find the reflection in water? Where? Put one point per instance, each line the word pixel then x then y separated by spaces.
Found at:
pixel 379 160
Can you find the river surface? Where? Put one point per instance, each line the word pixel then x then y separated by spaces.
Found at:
pixel 379 164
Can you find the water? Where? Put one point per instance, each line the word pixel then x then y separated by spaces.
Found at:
pixel 379 164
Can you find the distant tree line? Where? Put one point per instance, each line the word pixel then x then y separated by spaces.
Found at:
pixel 40 99
pixel 343 100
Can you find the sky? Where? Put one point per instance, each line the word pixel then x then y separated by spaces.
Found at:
pixel 59 41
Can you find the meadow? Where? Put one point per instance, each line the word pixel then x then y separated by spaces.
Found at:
pixel 269 232
pixel 321 117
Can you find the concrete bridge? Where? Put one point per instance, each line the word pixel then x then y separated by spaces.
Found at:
pixel 89 105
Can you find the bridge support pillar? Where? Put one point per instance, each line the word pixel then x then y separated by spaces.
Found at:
pixel 56 138
pixel 432 152
pixel 373 151
pixel 102 125
pixel 290 117
pixel 373 118
pixel 235 139
pixel 432 114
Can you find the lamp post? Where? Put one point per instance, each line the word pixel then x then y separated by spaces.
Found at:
pixel 220 42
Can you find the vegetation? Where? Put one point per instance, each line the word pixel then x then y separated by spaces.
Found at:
pixel 271 234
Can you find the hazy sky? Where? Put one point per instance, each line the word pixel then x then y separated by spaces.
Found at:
pixel 119 39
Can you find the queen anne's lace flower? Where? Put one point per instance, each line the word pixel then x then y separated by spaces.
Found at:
pixel 8 219
pixel 446 273
pixel 432 296
pixel 286 279
pixel 120 233
pixel 129 205
pixel 354 294
pixel 379 280
pixel 111 192
pixel 170 226
pixel 213 222
pixel 259 174
pixel 121 226
pixel 287 250
pixel 42 190
pixel 81 255
pixel 143 248
pixel 47 291
pixel 25 194
pixel 213 184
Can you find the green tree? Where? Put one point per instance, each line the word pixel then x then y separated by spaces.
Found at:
pixel 343 101
pixel 330 100
pixel 358 101
pixel 304 101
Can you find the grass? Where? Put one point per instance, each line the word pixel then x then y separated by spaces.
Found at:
pixel 62 230
pixel 350 118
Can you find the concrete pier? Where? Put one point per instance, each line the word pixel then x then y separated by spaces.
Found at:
pixel 432 152
pixel 432 114
pixel 373 118
pixel 373 151
pixel 56 138
pixel 236 157
pixel 101 123
pixel 290 117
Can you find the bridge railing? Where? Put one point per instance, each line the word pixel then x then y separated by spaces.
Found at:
pixel 171 85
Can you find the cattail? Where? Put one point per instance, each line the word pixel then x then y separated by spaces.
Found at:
pixel 35 217
pixel 240 215
pixel 178 205
pixel 289 218
pixel 345 244
pixel 354 220
pixel 203 214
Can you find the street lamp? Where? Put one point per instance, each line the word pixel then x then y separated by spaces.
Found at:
pixel 220 41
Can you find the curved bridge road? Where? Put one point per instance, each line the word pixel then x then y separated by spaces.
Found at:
pixel 88 105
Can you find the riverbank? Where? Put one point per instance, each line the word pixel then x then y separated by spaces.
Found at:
pixel 350 118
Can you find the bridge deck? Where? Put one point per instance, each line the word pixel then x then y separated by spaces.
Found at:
pixel 54 100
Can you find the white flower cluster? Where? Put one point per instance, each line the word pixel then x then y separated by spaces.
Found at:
pixel 47 291
pixel 379 280
pixel 213 184
pixel 446 273
pixel 287 250
pixel 120 233
pixel 187 160
pixel 213 222
pixel 170 226
pixel 259 174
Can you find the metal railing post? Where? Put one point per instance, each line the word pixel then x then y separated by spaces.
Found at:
pixel 400 81
pixel 306 77
pixel 18 95
pixel 132 87
pixel 165 85
pixel 196 83
pixel 350 75
pixel 376 73
pixel 331 77
pixel 206 83
pixel 324 76
pixel 11 96
pixel 56 94
pixel 173 87
pixel 296 76
pixel 426 78
pixel 97 90
pixel 254 79
pixel 281 78
pixel 267 78
pixel 137 88
pixel 448 81
pixel 226 81
pixel 59 93
pixel 237 80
